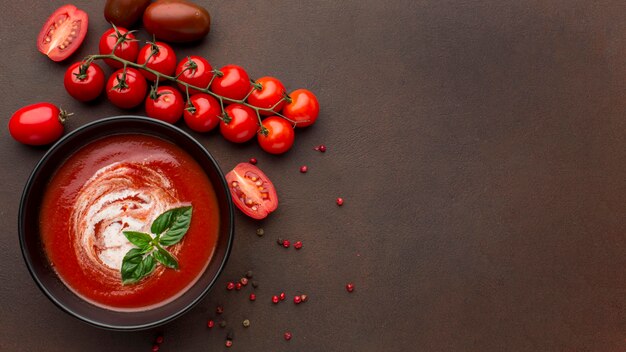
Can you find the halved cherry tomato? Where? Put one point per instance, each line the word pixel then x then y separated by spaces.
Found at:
pixel 204 114
pixel 84 83
pixel 252 191
pixel 63 32
pixel 242 123
pixel 128 49
pixel 168 105
pixel 131 92
pixel 279 137
pixel 37 124
pixel 233 82
pixel 196 71
pixel 163 61
pixel 303 108
pixel 270 93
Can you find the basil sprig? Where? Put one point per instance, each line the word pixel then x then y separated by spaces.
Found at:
pixel 169 229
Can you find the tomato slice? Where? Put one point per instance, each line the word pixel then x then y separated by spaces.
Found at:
pixel 252 192
pixel 63 32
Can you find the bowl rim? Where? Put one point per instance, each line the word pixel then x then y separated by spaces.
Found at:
pixel 30 265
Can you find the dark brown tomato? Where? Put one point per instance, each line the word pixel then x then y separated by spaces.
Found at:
pixel 124 13
pixel 177 21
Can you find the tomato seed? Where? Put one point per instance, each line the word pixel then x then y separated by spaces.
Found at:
pixel 297 245
pixel 304 169
pixel 350 287
pixel 252 161
pixel 339 201
pixel 287 335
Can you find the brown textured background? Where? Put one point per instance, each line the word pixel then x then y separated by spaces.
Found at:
pixel 479 145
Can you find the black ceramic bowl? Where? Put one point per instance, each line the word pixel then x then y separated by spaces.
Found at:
pixel 45 276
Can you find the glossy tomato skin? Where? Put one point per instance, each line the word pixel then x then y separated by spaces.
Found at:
pixel 200 76
pixel 280 135
pixel 253 200
pixel 272 91
pixel 303 107
pixel 37 124
pixel 124 13
pixel 127 50
pixel 242 126
pixel 234 82
pixel 206 115
pixel 177 21
pixel 87 86
pixel 168 106
pixel 131 96
pixel 164 61
pixel 63 32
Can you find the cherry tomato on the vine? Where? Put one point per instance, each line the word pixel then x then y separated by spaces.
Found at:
pixel 242 126
pixel 196 71
pixel 252 191
pixel 270 93
pixel 37 124
pixel 82 82
pixel 279 137
pixel 126 91
pixel 63 32
pixel 303 108
pixel 163 60
pixel 233 82
pixel 127 49
pixel 168 105
pixel 204 114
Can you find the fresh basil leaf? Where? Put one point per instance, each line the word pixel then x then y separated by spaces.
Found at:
pixel 148 265
pixel 177 227
pixel 139 239
pixel 165 258
pixel 168 218
pixel 130 265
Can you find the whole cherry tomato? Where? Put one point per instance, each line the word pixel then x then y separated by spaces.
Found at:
pixel 279 137
pixel 240 123
pixel 252 191
pixel 82 82
pixel 127 49
pixel 204 114
pixel 270 92
pixel 63 32
pixel 163 60
pixel 303 107
pixel 168 105
pixel 232 82
pixel 196 71
pixel 126 90
pixel 37 124
pixel 177 20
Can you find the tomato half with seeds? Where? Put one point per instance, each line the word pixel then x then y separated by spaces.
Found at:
pixel 128 49
pixel 252 191
pixel 63 32
pixel 268 92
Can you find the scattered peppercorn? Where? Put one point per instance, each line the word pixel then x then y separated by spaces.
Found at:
pixel 246 323
pixel 228 343
pixel 223 323
pixel 238 286
pixel 155 348
pixel 304 169
pixel 297 299
pixel 280 241
pixel 230 286
pixel 339 201
pixel 297 245
pixel 320 148
pixel 244 281
pixel 260 232
pixel 304 298
pixel 287 335
pixel 286 243
pixel 210 324
pixel 255 284
pixel 282 296
pixel 275 299
pixel 253 161
pixel 219 309
pixel 350 287
pixel 252 297
pixel 159 339
pixel 249 274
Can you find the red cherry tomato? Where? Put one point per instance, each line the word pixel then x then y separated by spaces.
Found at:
pixel 196 71
pixel 252 191
pixel 280 135
pixel 131 92
pixel 206 113
pixel 37 124
pixel 84 83
pixel 242 125
pixel 234 82
pixel 271 92
pixel 168 105
pixel 127 50
pixel 63 32
pixel 163 61
pixel 303 107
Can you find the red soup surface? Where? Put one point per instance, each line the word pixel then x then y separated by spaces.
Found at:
pixel 120 183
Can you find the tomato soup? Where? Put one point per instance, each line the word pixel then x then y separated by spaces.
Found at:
pixel 122 183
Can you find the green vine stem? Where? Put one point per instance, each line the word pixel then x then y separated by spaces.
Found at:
pixel 222 99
